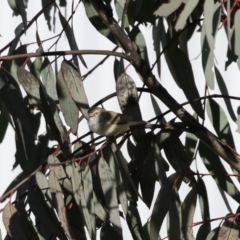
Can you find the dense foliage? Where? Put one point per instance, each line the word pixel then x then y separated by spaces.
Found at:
pixel 76 187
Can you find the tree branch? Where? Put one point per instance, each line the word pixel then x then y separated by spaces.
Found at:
pixel 207 137
pixel 64 53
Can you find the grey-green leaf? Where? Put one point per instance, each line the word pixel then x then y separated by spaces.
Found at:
pixel 74 82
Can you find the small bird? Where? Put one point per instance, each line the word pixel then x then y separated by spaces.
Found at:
pixel 109 123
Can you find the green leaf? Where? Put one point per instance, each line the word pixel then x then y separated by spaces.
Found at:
pixel 110 194
pixel 160 208
pixel 52 118
pixel 224 91
pixel 49 80
pixel 144 165
pixel 213 234
pixel 157 109
pixel 207 24
pixel 3 121
pixel 134 222
pixel 203 231
pixel 21 5
pixel 47 13
pixel 57 196
pixel 75 86
pixel 68 106
pixel 137 37
pixel 220 122
pixel 159 164
pixel 97 22
pixel 186 12
pixel 37 65
pixel 188 210
pixel 190 145
pixel 118 68
pixel 130 188
pixel 54 164
pixel 30 84
pixel 163 139
pixel 12 222
pixel 44 187
pixel 12 66
pixel 175 214
pixel 229 229
pixel 177 157
pixel 107 232
pixel 214 165
pixel 185 77
pixel 168 8
pixel 237 32
pixel 208 36
pixel 71 40
pixel 87 201
pixel 45 215
pixel 115 168
pixel 157 38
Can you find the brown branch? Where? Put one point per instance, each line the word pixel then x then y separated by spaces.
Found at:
pixel 159 91
pixel 64 53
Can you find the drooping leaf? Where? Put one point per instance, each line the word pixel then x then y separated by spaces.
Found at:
pixel 87 200
pixel 12 66
pixel 21 6
pixel 54 163
pixel 157 38
pixel 47 13
pixel 229 229
pixel 30 84
pixel 110 194
pixel 213 234
pixel 52 118
pixel 49 80
pixel 68 106
pixel 107 232
pixel 175 214
pixel 46 215
pixel 237 32
pixel 112 160
pixel 134 222
pixel 12 222
pixel 58 201
pixel 208 36
pixel 168 8
pixel 214 165
pixel 97 22
pixel 185 77
pixel 224 91
pixel 137 37
pixel 160 209
pixel 188 210
pixel 75 86
pixel 3 121
pixel 186 12
pixel 220 122
pixel 177 157
pixel 71 39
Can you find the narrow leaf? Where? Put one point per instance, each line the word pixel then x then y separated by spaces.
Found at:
pixel 167 8
pixel 12 222
pixel 68 106
pixel 237 32
pixel 186 12
pixel 75 86
pixel 109 190
pixel 71 39
pixel 57 194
